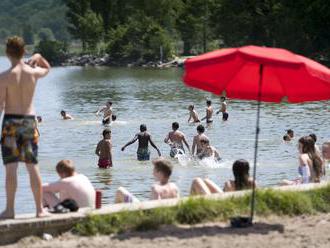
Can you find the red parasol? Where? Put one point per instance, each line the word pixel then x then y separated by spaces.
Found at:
pixel 259 73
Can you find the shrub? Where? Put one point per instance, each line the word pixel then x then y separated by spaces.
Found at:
pixel 54 51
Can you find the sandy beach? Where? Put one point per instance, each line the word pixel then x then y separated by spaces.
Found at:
pixel 302 231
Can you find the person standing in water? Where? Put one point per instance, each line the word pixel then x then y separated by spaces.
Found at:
pixel 19 137
pixel 175 139
pixel 193 114
pixel 209 112
pixel 107 113
pixel 197 140
pixel 144 139
pixel 103 150
pixel 223 109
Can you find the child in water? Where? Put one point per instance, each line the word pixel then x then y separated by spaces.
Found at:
pixel 161 190
pixel 103 150
pixel 193 114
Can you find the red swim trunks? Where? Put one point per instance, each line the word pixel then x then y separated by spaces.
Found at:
pixel 104 163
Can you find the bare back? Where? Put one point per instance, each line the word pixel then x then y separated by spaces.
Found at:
pixel 176 137
pixel 143 139
pixel 20 82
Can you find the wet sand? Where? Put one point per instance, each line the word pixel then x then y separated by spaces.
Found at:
pixel 302 231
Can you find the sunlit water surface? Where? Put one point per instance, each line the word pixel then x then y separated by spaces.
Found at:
pixel 157 98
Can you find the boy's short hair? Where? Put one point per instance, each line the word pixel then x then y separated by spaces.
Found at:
pixel 200 128
pixel 143 127
pixel 313 135
pixel 289 131
pixel 164 166
pixel 65 167
pixel 175 125
pixel 15 47
pixel 208 102
pixel 109 102
pixel 106 131
pixel 286 137
pixel 63 112
pixel 191 106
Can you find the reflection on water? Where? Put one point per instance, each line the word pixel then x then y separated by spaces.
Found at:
pixel 156 98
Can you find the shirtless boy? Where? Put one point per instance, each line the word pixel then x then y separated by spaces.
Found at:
pixel 223 109
pixel 19 138
pixel 209 112
pixel 71 185
pixel 176 139
pixel 208 150
pixel 161 190
pixel 107 113
pixel 66 116
pixel 144 139
pixel 197 140
pixel 193 114
pixel 103 150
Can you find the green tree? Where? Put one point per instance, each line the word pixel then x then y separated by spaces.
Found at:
pixel 54 51
pixel 27 34
pixel 46 34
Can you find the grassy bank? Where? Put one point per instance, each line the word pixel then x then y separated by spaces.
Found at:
pixel 200 210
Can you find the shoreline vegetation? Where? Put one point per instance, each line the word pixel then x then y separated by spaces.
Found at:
pixel 200 210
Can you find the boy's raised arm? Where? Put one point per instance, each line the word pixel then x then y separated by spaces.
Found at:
pixel 40 64
pixel 130 142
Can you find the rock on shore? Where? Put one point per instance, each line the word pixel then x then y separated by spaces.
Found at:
pixel 105 60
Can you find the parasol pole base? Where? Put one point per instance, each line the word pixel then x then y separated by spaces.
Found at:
pixel 241 222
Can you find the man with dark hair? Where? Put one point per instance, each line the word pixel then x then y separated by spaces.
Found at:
pixel 144 139
pixel 223 109
pixel 103 150
pixel 209 112
pixel 197 138
pixel 19 137
pixel 107 113
pixel 175 139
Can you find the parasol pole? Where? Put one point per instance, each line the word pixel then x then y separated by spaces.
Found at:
pixel 261 68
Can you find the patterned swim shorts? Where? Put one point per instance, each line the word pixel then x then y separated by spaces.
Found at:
pixel 19 139
pixel 143 154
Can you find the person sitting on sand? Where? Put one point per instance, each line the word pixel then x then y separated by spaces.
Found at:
pixel 161 190
pixel 70 186
pixel 209 112
pixel 66 116
pixel 241 181
pixel 107 113
pixel 223 109
pixel 310 164
pixel 207 151
pixel 175 139
pixel 103 150
pixel 193 114
pixel 197 138
pixel 144 139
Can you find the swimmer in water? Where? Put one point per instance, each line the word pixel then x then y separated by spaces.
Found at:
pixel 107 113
pixel 209 112
pixel 223 109
pixel 193 114
pixel 208 151
pixel 144 139
pixel 66 116
pixel 175 139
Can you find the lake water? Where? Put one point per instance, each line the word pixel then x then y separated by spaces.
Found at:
pixel 157 98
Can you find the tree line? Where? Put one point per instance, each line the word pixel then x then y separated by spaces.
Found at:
pixel 150 29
